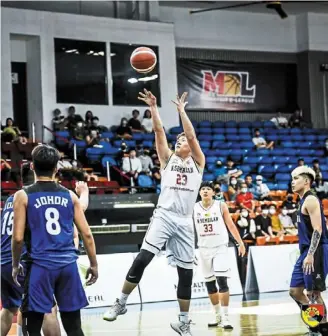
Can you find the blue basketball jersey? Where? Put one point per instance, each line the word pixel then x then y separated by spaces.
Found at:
pixel 7 220
pixel 305 229
pixel 49 234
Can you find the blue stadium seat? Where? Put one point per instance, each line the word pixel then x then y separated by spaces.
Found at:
pixel 176 130
pixel 207 130
pixel 325 176
pixel 205 137
pixel 109 159
pixel 218 137
pixel 235 145
pixel 324 167
pixel 297 137
pixel 218 131
pixel 318 152
pixel 218 124
pixel 109 135
pixel 282 186
pixel 308 131
pixel 211 152
pixel 265 160
pixel 211 167
pixel 274 186
pixel 245 168
pixel 230 131
pixel 145 181
pixel 205 124
pixel 284 168
pixel 138 136
pixel 130 143
pixel 111 151
pixel 282 177
pixel 257 124
pixel 284 131
pixel 271 137
pixel 80 145
pixel 246 137
pixel 237 154
pixel 147 143
pixel 205 144
pixel 295 131
pixel 171 137
pixel 232 137
pixel 149 136
pixel 208 177
pixel 269 124
pixel 61 137
pixel 246 145
pixel 231 124
pixel 244 131
pixel 251 161
pixel 266 170
pixel 245 124
pixel 322 138
pixel 94 153
pixel 225 152
pixel 219 144
pixel 278 151
pixel 288 144
pixel 211 159
pixel 304 144
pixel 310 137
pixel 271 185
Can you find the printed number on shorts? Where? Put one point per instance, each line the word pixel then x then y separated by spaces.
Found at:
pixel 208 228
pixel 52 224
pixel 182 179
pixel 7 223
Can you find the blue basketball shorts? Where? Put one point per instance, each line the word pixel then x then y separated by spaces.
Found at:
pixel 43 284
pixel 11 294
pixel 317 280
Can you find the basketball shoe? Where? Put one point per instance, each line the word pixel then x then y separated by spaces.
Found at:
pixel 182 328
pixel 114 311
pixel 216 322
pixel 225 324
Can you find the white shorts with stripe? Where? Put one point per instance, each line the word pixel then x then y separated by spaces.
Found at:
pixel 176 232
pixel 214 262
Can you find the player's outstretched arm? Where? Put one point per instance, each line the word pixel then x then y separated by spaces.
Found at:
pixel 162 147
pixel 189 131
pixel 232 228
pixel 17 241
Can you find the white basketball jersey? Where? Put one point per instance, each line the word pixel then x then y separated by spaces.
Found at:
pixel 180 184
pixel 210 226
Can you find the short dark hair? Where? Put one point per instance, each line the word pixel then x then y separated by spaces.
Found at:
pixel 208 184
pixel 94 118
pixel 256 130
pixel 309 176
pixel 45 159
pixel 183 134
pixel 264 206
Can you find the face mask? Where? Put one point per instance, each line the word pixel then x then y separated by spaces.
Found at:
pixel 272 211
pixel 244 190
pixel 96 122
pixel 219 164
pixel 74 164
pixel 217 190
pixel 244 214
pixel 124 123
pixel 79 124
pixel 258 182
pixel 265 212
pixel 94 133
pixel 289 198
pixel 233 182
pixel 146 152
pixel 284 212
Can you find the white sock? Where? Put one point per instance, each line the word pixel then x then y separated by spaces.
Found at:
pixel 225 310
pixel 217 308
pixel 19 330
pixel 123 299
pixel 184 317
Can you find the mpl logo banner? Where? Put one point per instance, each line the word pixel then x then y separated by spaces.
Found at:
pixel 228 87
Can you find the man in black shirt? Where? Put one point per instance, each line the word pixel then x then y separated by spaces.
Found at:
pixel 134 122
pixel 72 119
pixel 263 223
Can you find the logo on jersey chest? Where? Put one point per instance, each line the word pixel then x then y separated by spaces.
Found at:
pixel 183 170
pixel 207 220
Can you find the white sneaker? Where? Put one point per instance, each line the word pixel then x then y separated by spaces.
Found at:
pixel 114 311
pixel 182 328
pixel 216 322
pixel 225 324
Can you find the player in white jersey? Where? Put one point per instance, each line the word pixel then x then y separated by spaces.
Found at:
pixel 172 220
pixel 212 221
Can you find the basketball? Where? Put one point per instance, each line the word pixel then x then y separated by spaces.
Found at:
pixel 143 60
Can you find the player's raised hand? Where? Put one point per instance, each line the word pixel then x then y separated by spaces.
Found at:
pixel 148 98
pixel 181 102
pixel 91 275
pixel 241 250
pixel 81 187
pixel 17 271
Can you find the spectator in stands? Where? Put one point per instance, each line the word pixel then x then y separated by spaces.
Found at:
pixel 96 127
pixel 132 166
pixel 277 227
pixel 291 206
pixel 233 188
pixel 249 183
pixel 262 191
pixel 147 122
pixel 321 188
pixel 88 119
pixel 219 195
pixel 244 199
pixel 317 170
pixel 280 121
pixel 156 172
pixel 300 162
pixel 79 133
pixel 232 169
pixel 58 121
pixel 124 131
pixel 263 223
pixel 260 142
pixel 93 139
pixel 220 172
pixel 16 158
pixel 287 222
pixel 123 152
pixel 5 170
pixel 146 161
pixel 73 119
pixel 12 132
pixel 62 163
pixel 326 147
pixel 296 119
pixel 246 225
pixel 134 122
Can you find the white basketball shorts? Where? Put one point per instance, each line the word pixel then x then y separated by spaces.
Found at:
pixel 215 262
pixel 178 234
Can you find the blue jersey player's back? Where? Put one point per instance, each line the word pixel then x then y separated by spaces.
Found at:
pixel 7 220
pixel 49 225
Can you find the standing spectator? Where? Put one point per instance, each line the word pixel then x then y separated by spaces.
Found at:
pixel 124 131
pixel 287 222
pixel 232 189
pixel 147 122
pixel 132 167
pixel 246 225
pixel 277 227
pixel 146 162
pixel 260 142
pixel 134 122
pixel 296 120
pixel 263 223
pixel 280 121
pixel 219 195
pixel 245 199
pixel 72 119
pixel 262 191
pixel 88 119
pixel 58 121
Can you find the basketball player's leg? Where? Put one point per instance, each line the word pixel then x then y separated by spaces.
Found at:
pixel 7 315
pixel 50 326
pixel 158 233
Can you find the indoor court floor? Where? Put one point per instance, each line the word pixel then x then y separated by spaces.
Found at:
pixel 270 314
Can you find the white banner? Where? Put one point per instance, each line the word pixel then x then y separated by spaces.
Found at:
pixel 112 271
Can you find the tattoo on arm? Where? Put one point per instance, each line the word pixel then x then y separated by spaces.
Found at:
pixel 314 242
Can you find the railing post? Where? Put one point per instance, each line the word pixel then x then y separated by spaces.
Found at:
pixel 33 132
pixel 108 171
pixel 75 154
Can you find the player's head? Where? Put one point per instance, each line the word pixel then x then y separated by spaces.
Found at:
pixel 45 159
pixel 206 191
pixel 182 147
pixel 302 179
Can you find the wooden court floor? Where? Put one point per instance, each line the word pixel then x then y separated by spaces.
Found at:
pixel 270 314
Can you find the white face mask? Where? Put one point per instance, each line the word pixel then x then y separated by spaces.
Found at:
pixel 233 182
pixel 284 212
pixel 79 124
pixel 272 211
pixel 265 211
pixel 74 164
pixel 244 213
pixel 259 182
pixel 244 190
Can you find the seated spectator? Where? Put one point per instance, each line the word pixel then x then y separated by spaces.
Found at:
pixel 260 142
pixel 134 123
pixel 58 121
pixel 79 133
pixel 296 120
pixel 300 162
pixel 232 169
pixel 326 148
pixel 261 191
pixel 249 183
pixel 287 222
pixel 291 206
pixel 96 127
pixel 123 152
pixel 156 172
pixel 232 189
pixel 321 188
pixel 88 119
pixel 72 119
pixel 12 132
pixel 5 170
pixel 244 199
pixel 263 223
pixel 132 167
pixel 220 172
pixel 124 131
pixel 63 164
pixel 146 161
pixel 246 225
pixel 277 227
pixel 317 170
pixel 280 121
pixel 147 122
pixel 219 195
pixel 93 139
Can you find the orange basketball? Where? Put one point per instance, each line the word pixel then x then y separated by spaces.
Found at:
pixel 143 60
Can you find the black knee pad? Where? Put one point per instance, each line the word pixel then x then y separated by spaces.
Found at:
pixel 185 283
pixel 32 323
pixel 211 287
pixel 223 284
pixel 139 264
pixel 72 323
